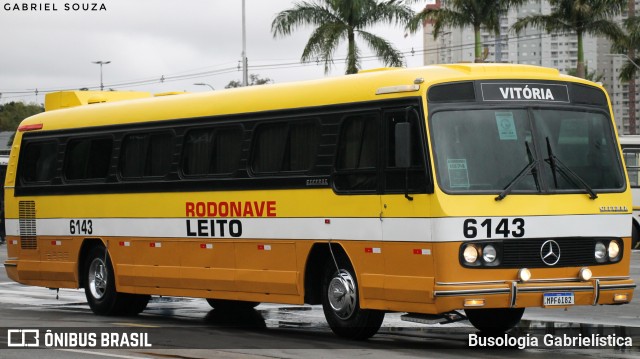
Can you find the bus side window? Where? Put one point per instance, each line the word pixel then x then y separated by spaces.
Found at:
pixel 146 155
pixel 212 151
pixel 632 161
pixel 357 157
pixel 395 177
pixel 285 147
pixel 88 158
pixel 38 162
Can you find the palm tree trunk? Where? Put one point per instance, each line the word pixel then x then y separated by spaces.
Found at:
pixel 478 44
pixel 580 68
pixel 632 80
pixel 351 54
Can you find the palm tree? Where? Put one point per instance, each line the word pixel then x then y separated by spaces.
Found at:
pixel 466 13
pixel 580 17
pixel 589 75
pixel 338 20
pixel 628 45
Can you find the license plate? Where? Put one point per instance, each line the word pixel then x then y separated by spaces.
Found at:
pixel 560 298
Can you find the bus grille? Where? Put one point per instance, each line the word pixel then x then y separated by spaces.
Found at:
pixel 27 220
pixel 526 253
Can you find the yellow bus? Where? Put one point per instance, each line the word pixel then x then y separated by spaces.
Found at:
pixel 631 151
pixel 486 188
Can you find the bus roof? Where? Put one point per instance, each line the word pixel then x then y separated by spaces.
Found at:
pixel 66 99
pixel 365 86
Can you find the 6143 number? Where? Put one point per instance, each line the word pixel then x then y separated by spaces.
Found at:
pixel 501 229
pixel 81 226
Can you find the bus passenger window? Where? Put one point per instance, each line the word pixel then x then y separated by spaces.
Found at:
pixel 146 155
pixel 356 162
pixel 88 158
pixel 212 151
pixel 38 162
pixel 285 147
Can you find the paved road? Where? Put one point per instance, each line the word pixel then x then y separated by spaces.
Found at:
pixel 189 328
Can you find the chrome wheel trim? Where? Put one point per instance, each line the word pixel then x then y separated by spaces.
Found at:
pixel 342 295
pixel 97 278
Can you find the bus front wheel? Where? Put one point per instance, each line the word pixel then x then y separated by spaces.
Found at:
pixel 494 320
pixel 341 304
pixel 100 288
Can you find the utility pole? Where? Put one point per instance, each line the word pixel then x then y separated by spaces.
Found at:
pixel 245 71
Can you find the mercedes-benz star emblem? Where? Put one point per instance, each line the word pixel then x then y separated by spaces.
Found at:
pixel 550 252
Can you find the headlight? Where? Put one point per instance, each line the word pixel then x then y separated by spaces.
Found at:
pixel 489 253
pixel 600 252
pixel 614 250
pixel 470 253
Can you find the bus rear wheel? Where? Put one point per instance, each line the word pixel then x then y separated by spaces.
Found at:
pixel 341 304
pixel 100 288
pixel 494 320
pixel 236 305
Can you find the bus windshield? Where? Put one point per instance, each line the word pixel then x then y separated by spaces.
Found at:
pixel 528 149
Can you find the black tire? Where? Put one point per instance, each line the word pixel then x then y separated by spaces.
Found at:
pixel 341 303
pixel 494 320
pixel 234 305
pixel 133 304
pixel 635 237
pixel 100 288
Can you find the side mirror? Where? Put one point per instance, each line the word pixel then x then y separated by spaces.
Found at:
pixel 403 145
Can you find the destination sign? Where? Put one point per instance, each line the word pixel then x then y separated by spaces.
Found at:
pixel 538 92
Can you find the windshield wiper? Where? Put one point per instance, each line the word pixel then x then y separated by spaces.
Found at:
pixel 567 172
pixel 531 167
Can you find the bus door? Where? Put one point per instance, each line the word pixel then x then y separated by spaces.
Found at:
pixel 404 207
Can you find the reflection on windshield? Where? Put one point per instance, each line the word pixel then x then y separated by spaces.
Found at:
pixel 484 150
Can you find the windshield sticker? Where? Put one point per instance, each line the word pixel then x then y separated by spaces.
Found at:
pixel 458 174
pixel 506 126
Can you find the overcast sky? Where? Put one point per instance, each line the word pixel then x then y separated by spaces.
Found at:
pixel 148 39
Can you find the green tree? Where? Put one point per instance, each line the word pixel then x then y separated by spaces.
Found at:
pixel 581 17
pixel 253 81
pixel 339 20
pixel 630 39
pixel 12 113
pixel 466 13
pixel 589 75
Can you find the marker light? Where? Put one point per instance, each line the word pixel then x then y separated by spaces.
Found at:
pixel 32 127
pixel 600 252
pixel 474 302
pixel 489 253
pixel 524 275
pixel 614 250
pixel 470 253
pixel 619 298
pixel 585 274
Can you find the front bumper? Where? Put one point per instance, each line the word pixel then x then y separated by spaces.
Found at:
pixel 516 294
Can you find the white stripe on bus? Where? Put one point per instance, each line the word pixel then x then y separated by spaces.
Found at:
pixel 369 229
